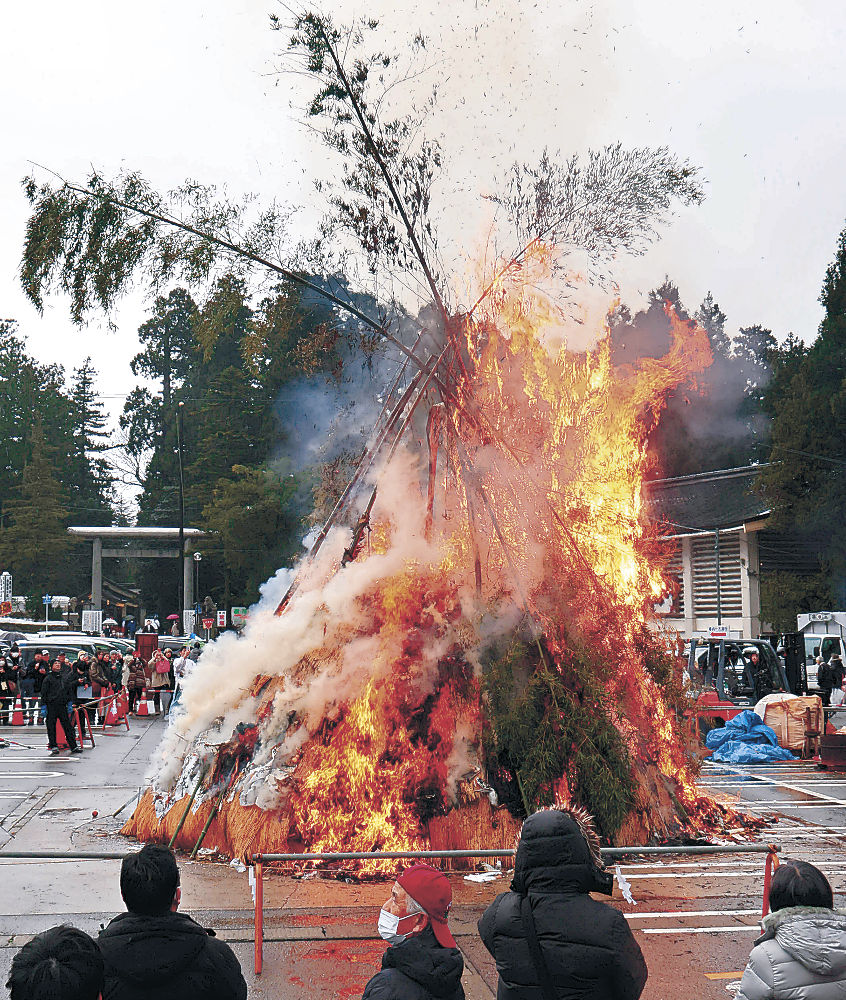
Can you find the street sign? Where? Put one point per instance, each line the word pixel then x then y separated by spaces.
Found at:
pixel 47 599
pixel 208 624
pixel 221 619
pixel 718 631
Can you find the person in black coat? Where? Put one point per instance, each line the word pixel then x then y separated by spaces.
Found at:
pixel 585 947
pixel 56 694
pixel 152 952
pixel 423 962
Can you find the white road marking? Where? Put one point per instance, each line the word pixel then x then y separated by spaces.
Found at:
pixel 659 876
pixel 783 784
pixel 702 930
pixel 652 915
pixel 31 774
pixel 19 760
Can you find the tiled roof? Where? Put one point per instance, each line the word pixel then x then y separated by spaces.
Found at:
pixel 708 500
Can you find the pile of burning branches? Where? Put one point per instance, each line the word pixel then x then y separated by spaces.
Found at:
pixel 469 635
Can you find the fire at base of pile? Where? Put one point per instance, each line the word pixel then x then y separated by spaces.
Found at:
pixel 478 644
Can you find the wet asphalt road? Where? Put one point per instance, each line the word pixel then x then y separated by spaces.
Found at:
pixel 695 918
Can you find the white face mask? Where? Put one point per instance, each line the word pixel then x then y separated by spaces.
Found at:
pixel 389 926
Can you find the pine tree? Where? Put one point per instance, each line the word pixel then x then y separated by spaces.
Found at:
pixel 713 320
pixel 91 485
pixel 35 545
pixel 806 483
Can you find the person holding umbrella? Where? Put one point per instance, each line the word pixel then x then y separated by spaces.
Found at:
pixel 174 628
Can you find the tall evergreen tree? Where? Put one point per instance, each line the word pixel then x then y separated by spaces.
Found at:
pixel 91 486
pixel 807 480
pixel 35 545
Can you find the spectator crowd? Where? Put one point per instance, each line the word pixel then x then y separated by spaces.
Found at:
pixel 55 689
pixel 549 938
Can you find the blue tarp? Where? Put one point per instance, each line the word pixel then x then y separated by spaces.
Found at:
pixel 745 740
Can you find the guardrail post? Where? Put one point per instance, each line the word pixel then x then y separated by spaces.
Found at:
pixel 769 867
pixel 259 917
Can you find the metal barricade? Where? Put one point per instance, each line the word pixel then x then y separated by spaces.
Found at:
pixel 257 862
pixel 608 853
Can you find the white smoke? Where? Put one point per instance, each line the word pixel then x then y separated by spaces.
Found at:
pixel 216 695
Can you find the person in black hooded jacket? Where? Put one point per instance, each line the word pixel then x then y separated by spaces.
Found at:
pixel 423 962
pixel 154 953
pixel 586 946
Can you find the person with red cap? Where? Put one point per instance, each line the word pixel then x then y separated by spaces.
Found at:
pixel 423 962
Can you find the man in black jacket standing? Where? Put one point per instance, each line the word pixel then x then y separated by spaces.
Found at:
pixel 154 953
pixel 423 962
pixel 548 937
pixel 55 696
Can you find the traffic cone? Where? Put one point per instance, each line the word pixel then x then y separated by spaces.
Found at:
pixel 17 713
pixel 61 739
pixel 122 703
pixel 143 707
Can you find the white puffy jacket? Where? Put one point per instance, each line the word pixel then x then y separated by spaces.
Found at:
pixel 800 956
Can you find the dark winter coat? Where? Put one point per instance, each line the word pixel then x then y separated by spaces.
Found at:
pixel 137 678
pixel 170 957
pixel 588 947
pixel 98 675
pixel 418 969
pixel 55 689
pixel 825 677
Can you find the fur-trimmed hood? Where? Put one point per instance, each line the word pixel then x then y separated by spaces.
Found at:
pixel 558 850
pixel 812 935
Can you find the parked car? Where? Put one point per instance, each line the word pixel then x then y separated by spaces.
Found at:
pixel 70 647
pixel 176 642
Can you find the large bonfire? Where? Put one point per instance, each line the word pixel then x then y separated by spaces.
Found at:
pixel 469 636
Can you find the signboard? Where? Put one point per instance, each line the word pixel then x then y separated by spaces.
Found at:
pixel 221 619
pixel 820 616
pixel 208 624
pixel 239 616
pixel 5 586
pixel 5 608
pixel 187 622
pixel 718 631
pixel 92 622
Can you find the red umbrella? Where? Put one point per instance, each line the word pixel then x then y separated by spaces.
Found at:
pixel 173 618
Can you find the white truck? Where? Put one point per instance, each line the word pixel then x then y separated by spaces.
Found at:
pixel 823 633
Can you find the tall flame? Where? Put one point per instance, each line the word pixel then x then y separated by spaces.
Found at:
pixel 352 721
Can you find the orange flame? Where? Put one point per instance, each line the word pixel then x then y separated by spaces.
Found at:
pixel 544 453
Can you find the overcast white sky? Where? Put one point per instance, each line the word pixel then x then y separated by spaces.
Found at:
pixel 754 93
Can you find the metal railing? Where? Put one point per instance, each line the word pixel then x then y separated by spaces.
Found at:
pixel 257 861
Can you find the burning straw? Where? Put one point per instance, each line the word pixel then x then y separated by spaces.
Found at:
pixel 468 637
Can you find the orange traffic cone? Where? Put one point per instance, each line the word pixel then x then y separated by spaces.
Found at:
pixel 143 706
pixel 17 713
pixel 61 739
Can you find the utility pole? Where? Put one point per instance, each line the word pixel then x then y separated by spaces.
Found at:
pixel 179 434
pixel 717 560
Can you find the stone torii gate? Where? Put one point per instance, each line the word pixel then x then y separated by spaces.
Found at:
pixel 138 549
